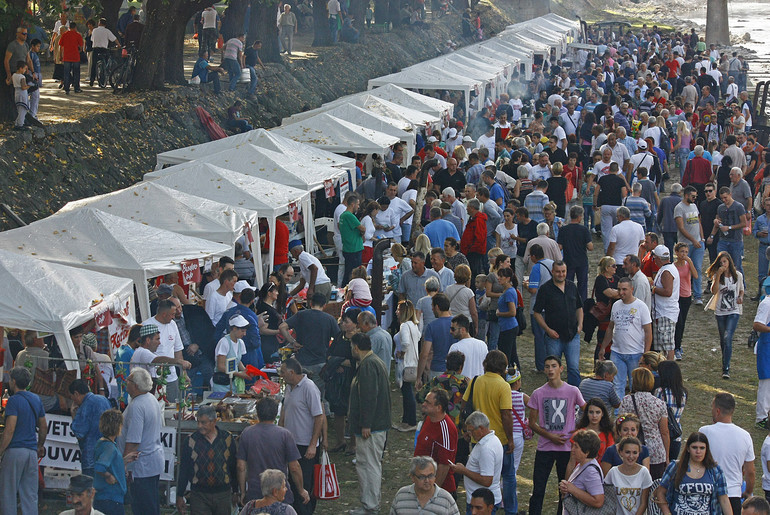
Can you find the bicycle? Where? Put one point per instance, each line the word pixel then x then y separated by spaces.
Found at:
pixel 122 76
pixel 105 64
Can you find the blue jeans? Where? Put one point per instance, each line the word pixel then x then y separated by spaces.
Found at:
pixel 681 159
pixel 493 329
pixel 669 240
pixel 588 216
pixel 726 325
pixel 233 71
pixel 540 350
pixel 239 125
pixel 626 363
pixel 71 76
pixel 144 495
pixel 213 77
pixel 254 80
pixel 571 351
pixel 333 27
pixel 762 263
pixel 735 249
pixel 697 258
pixel 508 476
pixel 582 279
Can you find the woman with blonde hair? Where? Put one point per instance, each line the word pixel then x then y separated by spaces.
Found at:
pixel 462 299
pixel 398 252
pixel 407 341
pixel 682 146
pixel 460 155
pixel 422 244
pixel 606 293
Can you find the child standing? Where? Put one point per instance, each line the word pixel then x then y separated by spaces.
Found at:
pixel 632 481
pixel 109 466
pixel 34 92
pixel 519 401
pixel 587 192
pixel 20 95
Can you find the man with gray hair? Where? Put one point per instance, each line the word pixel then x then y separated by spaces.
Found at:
pixel 550 248
pixel 20 446
pixel 626 140
pixel 213 483
pixel 633 267
pixel 638 205
pixel 449 195
pixel 625 237
pixel 485 461
pixel 665 216
pixel 382 342
pixel 141 432
pixel 423 495
pixel 600 385
pixel 740 189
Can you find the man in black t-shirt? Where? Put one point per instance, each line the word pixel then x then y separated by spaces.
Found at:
pixel 575 242
pixel 708 212
pixel 527 231
pixel 450 177
pixel 608 197
pixel 251 55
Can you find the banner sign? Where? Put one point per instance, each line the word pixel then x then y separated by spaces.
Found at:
pixel 62 449
pixel 191 272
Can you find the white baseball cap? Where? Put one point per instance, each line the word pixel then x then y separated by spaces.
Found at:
pixel 243 285
pixel 238 321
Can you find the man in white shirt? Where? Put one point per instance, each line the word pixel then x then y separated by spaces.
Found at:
pixel 630 332
pixel 665 294
pixel 312 273
pixel 225 263
pixel 486 459
pixel 474 350
pixel 487 140
pixel 144 355
pixel 571 119
pixel 625 237
pixel 541 171
pixel 101 37
pixel 210 23
pixel 557 131
pixel 170 343
pixel 732 90
pixel 403 210
pixel 620 153
pixel 219 300
pixel 732 448
pixel 633 267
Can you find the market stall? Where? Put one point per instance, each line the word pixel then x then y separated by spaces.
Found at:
pixel 54 298
pixel 92 239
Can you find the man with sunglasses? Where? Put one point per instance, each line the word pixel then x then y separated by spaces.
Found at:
pixel 708 212
pixel 17 50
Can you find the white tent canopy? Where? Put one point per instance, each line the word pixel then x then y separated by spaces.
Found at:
pixel 526 42
pixel 398 128
pixel 95 240
pixel 379 106
pixel 500 49
pixel 560 24
pixel 530 30
pixel 259 138
pixel 412 100
pixel 237 188
pixel 432 77
pixel 329 133
pixel 153 204
pixel 53 298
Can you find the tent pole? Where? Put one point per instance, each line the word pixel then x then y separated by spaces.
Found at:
pixel 309 224
pixel 256 258
pixel 271 255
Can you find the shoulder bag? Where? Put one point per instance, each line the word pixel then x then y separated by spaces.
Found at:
pixel 468 408
pixel 526 431
pixel 610 506
pixel 674 429
pixel 641 425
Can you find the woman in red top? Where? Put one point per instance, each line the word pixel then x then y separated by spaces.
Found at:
pixel 597 418
pixel 573 172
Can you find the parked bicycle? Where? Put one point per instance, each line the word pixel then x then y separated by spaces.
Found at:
pixel 122 77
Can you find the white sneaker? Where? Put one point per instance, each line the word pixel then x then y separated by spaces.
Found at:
pixel 698 302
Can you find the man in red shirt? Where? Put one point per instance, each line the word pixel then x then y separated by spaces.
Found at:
pixel 698 172
pixel 71 44
pixel 438 437
pixel 474 240
pixel 649 268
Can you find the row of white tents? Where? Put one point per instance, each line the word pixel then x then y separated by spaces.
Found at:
pixel 95 253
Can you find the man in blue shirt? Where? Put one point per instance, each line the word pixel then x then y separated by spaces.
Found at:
pixel 86 410
pixel 20 447
pixel 437 339
pixel 207 71
pixel 540 274
pixel 438 230
pixel 496 192
pixel 252 340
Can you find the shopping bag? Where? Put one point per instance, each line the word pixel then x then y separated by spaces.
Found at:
pixel 326 486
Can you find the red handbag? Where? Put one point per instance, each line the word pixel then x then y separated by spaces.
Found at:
pixel 326 486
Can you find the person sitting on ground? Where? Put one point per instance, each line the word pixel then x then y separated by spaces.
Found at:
pixel 234 119
pixel 207 71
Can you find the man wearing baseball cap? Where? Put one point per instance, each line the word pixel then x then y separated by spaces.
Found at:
pixel 665 303
pixel 144 356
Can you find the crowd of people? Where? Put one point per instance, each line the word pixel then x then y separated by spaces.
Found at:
pixel 482 217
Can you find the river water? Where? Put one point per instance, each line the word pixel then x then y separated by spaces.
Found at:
pixel 746 17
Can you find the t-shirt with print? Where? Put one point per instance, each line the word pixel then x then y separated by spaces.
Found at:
pixel 629 319
pixel 689 216
pixel 729 292
pixel 556 412
pixel 628 489
pixel 730 216
pixel 507 244
pixel 695 494
pixel 439 441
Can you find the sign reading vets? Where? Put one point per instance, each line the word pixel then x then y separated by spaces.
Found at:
pixel 62 450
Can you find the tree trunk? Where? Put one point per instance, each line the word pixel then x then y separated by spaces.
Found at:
pixel 111 12
pixel 394 12
pixel 232 23
pixel 263 25
pixel 717 21
pixel 381 14
pixel 10 18
pixel 320 24
pixel 161 49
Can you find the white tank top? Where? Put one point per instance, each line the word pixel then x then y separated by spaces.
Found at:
pixel 666 306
